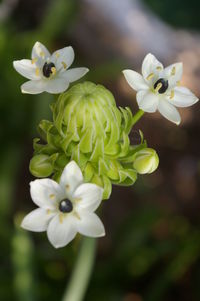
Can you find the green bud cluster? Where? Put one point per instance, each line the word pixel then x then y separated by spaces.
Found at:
pixel 87 127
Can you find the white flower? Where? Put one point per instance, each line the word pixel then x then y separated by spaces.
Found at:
pixel 65 208
pixel 158 88
pixel 48 72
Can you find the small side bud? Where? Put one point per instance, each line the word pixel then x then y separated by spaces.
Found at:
pixel 41 166
pixel 146 161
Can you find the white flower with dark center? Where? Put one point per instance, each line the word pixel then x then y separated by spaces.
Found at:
pixel 48 72
pixel 158 88
pixel 65 208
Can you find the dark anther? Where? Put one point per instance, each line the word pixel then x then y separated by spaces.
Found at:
pixel 164 86
pixel 47 69
pixel 65 206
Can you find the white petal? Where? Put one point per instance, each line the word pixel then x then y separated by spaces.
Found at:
pixel 61 231
pixel 64 55
pixel 135 80
pixel 183 97
pixel 26 69
pixel 71 177
pixel 74 74
pixel 39 51
pixel 37 220
pixel 89 196
pixel 56 85
pixel 46 193
pixel 173 73
pixel 33 87
pixel 169 111
pixel 150 65
pixel 147 101
pixel 90 225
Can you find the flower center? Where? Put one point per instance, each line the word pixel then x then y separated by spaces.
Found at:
pixel 161 85
pixel 65 206
pixel 48 69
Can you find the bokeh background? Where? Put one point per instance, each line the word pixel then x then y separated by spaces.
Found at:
pixel 152 248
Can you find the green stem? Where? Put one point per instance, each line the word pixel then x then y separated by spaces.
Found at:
pixel 82 271
pixel 137 116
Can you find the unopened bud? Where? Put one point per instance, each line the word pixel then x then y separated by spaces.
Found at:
pixel 41 166
pixel 146 161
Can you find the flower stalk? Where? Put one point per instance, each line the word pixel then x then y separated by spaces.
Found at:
pixel 79 281
pixel 137 116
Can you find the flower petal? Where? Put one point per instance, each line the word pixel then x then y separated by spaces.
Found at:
pixel 71 177
pixel 33 87
pixel 37 220
pixel 169 111
pixel 62 57
pixel 89 196
pixel 183 97
pixel 135 80
pixel 56 85
pixel 150 65
pixel 46 193
pixel 40 52
pixel 90 225
pixel 173 73
pixel 147 101
pixel 61 231
pixel 74 74
pixel 26 69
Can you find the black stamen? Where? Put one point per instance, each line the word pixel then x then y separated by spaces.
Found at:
pixel 164 87
pixel 65 206
pixel 47 69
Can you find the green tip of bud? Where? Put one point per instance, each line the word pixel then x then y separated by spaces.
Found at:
pixel 146 161
pixel 41 166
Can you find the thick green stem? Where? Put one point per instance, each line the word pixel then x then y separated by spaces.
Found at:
pixel 81 274
pixel 137 116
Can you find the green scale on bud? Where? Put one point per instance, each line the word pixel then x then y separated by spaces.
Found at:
pixel 89 128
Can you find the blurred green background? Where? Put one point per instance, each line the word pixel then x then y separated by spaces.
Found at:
pixel 152 248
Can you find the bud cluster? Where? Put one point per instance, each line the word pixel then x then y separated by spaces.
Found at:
pixel 88 128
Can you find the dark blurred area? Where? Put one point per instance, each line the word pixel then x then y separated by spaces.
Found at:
pixel 152 248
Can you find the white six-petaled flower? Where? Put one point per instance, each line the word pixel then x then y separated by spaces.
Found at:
pixel 48 72
pixel 65 208
pixel 158 88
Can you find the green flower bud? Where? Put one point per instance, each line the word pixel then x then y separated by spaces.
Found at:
pixel 41 166
pixel 146 161
pixel 88 127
